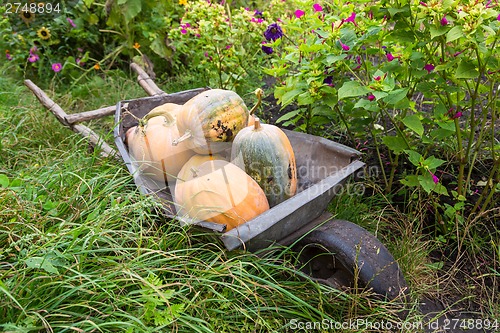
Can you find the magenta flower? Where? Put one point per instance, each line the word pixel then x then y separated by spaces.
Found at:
pixel 371 97
pixel 435 178
pixel 57 67
pixel 317 7
pixel 389 56
pixel 444 21
pixel 377 78
pixel 70 21
pixel 8 55
pixel 33 57
pixel 458 114
pixel 299 13
pixel 351 18
pixel 498 17
pixel 423 3
pixel 344 46
pixel 257 20
pixel 429 67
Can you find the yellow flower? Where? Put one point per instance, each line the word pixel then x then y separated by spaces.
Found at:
pixel 27 17
pixel 137 45
pixel 97 66
pixel 43 33
pixel 183 2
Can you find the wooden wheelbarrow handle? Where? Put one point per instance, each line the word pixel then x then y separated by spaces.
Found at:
pixel 73 120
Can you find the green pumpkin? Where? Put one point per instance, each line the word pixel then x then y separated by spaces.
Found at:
pixel 266 155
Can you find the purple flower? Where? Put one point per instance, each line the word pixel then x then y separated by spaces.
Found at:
pixel 344 46
pixel 257 20
pixel 458 114
pixel 429 67
pixel 8 56
pixel 371 97
pixel 299 13
pixel 317 7
pixel 273 32
pixel 33 57
pixel 377 78
pixel 70 21
pixel 267 49
pixel 328 80
pixel 57 67
pixel 423 3
pixel 444 21
pixel 389 56
pixel 258 13
pixel 498 17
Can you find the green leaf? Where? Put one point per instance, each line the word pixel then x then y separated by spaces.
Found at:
pixel 131 9
pixel 305 99
pixel 43 263
pixel 4 180
pixel 466 70
pixel 289 96
pixel 414 157
pixel 432 162
pixel 410 181
pixel 352 89
pixel 331 59
pixel 454 34
pixel 395 143
pixel 439 31
pixel 413 122
pixel 396 95
pixel 288 115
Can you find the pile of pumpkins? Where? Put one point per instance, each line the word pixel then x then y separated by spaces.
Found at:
pixel 225 165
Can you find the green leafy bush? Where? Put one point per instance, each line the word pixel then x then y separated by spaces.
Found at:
pixel 420 78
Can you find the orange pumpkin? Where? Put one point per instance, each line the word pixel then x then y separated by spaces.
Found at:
pixel 194 162
pixel 172 108
pixel 218 191
pixel 150 147
pixel 265 153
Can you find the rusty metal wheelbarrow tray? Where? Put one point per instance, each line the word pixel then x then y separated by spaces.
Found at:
pixel 322 167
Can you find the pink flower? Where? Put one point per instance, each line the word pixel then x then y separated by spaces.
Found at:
pixel 183 31
pixel 344 46
pixel 371 97
pixel 8 55
pixel 299 13
pixel 498 17
pixel 33 57
pixel 458 115
pixel 444 21
pixel 435 178
pixel 423 3
pixel 57 67
pixel 389 56
pixel 351 18
pixel 317 7
pixel 377 78
pixel 429 68
pixel 70 21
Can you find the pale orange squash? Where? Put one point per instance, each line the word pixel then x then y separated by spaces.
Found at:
pixel 219 191
pixel 150 147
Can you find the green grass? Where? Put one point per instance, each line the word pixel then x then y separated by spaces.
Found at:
pixel 82 250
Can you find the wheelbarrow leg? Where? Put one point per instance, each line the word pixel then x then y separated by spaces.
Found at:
pixel 342 254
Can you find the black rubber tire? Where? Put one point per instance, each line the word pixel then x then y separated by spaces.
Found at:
pixel 339 250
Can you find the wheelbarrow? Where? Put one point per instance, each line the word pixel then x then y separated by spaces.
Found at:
pixel 331 251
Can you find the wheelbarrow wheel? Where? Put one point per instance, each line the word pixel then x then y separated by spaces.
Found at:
pixel 344 255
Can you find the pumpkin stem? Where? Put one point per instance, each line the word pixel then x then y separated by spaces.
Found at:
pixel 258 92
pixel 257 124
pixel 185 136
pixel 169 119
pixel 194 171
